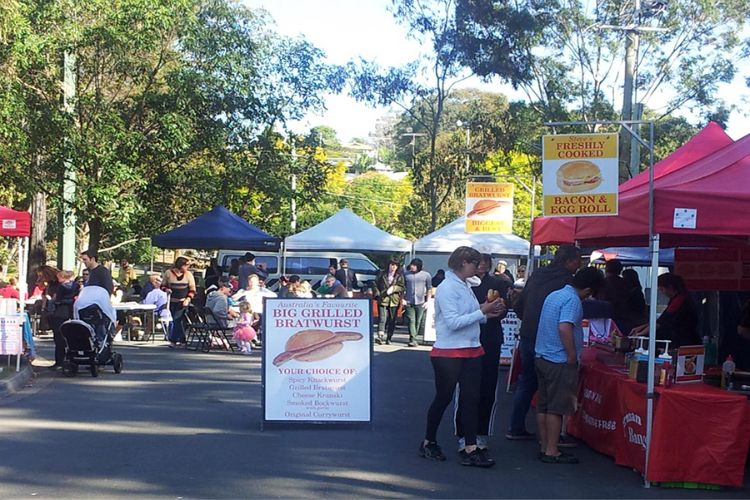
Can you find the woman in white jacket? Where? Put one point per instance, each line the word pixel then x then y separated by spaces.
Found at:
pixel 456 355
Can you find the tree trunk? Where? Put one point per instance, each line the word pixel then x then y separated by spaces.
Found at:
pixel 95 233
pixel 37 248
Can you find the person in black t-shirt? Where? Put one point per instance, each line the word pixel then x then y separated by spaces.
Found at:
pixel 98 274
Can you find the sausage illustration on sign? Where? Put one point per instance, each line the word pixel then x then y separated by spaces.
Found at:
pixel 486 208
pixel 314 345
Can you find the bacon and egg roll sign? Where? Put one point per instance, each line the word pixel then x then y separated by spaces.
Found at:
pixel 489 207
pixel 580 174
pixel 316 360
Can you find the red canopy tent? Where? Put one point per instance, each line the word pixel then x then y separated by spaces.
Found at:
pixel 16 224
pixel 708 183
pixel 630 228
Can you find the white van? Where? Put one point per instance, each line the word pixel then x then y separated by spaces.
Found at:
pixel 310 266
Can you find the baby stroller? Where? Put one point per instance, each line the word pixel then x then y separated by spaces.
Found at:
pixel 88 341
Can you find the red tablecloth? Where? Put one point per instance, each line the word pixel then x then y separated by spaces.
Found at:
pixel 700 434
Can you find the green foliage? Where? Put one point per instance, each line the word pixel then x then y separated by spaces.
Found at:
pixel 175 101
pixel 378 199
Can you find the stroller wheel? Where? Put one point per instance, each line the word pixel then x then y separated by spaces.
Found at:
pixel 94 369
pixel 117 362
pixel 69 368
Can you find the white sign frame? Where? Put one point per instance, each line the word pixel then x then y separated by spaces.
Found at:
pixel 302 392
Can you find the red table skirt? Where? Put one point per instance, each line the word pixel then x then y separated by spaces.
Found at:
pixel 700 434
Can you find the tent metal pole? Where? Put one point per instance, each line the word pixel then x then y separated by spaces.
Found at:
pixel 654 244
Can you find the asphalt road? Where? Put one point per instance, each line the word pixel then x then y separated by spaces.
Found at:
pixel 184 424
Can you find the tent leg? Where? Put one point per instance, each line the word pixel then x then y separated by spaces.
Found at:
pixel 651 351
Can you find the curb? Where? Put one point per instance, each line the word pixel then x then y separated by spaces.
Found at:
pixel 17 381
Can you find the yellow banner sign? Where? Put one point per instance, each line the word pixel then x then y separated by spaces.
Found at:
pixel 580 174
pixel 489 207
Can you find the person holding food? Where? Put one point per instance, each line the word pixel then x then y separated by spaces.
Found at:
pixel 457 356
pixel 389 287
pixel 679 321
pixel 491 338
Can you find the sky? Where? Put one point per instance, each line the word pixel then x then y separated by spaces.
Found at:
pixel 349 29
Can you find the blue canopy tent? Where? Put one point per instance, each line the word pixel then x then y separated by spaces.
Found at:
pixel 216 229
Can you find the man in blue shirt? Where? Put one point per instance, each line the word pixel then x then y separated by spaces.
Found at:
pixel 559 340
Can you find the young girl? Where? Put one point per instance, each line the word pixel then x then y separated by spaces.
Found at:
pixel 244 333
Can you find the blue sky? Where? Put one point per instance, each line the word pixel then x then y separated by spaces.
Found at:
pixel 348 29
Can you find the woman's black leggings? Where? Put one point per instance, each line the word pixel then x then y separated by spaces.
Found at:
pixel 467 373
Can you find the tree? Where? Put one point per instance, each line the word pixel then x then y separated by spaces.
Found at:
pixel 440 25
pixel 175 103
pixel 378 199
pixel 577 74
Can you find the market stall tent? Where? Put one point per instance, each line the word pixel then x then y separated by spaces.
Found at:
pixel 218 228
pixel 435 247
pixel 346 231
pixel 17 224
pixel 632 220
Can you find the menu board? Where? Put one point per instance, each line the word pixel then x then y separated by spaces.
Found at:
pixel 580 174
pixel 689 366
pixel 489 207
pixel 316 360
pixel 511 327
pixel 11 335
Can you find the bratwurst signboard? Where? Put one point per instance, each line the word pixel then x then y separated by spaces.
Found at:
pixel 316 360
pixel 580 174
pixel 489 207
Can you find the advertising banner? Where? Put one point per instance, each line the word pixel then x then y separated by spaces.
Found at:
pixel 689 365
pixel 580 174
pixel 316 360
pixel 11 335
pixel 429 322
pixel 511 327
pixel 707 269
pixel 631 451
pixel 597 420
pixel 489 207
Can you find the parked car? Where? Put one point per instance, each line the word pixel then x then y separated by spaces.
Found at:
pixel 310 266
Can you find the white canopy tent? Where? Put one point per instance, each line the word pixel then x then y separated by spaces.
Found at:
pixel 435 248
pixel 345 230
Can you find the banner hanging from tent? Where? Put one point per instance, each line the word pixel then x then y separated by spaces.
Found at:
pixel 489 207
pixel 580 174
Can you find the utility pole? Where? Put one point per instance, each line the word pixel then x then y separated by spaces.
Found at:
pixel 293 224
pixel 629 162
pixel 66 242
pixel 468 142
pixel 532 191
pixel 413 143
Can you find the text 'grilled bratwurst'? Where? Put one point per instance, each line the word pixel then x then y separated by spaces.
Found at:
pixel 314 345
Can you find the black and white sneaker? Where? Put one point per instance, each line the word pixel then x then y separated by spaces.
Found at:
pixel 477 458
pixel 431 451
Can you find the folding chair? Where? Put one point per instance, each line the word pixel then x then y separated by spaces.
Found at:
pixel 195 328
pixel 217 328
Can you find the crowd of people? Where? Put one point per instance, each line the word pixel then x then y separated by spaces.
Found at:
pixel 551 305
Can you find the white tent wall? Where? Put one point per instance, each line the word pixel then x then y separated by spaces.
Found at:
pixel 435 248
pixel 431 262
pixel 346 231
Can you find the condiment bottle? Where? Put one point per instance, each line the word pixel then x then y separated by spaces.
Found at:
pixel 727 371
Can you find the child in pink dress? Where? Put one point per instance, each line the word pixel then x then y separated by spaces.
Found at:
pixel 243 332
